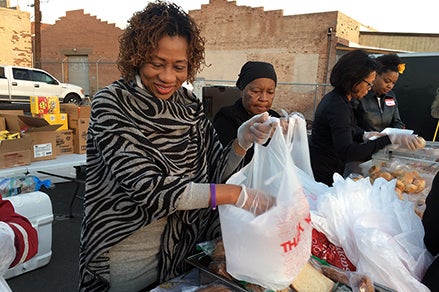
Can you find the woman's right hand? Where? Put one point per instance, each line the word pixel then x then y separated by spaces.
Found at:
pixel 254 130
pixel 255 201
pixel 411 142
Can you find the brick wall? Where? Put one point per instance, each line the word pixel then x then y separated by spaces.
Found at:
pixel 79 34
pixel 15 38
pixel 298 46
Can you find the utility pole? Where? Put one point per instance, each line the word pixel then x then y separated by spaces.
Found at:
pixel 37 49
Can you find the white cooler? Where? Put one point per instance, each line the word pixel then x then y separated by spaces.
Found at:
pixel 37 207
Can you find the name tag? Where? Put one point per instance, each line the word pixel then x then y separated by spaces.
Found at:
pixel 390 102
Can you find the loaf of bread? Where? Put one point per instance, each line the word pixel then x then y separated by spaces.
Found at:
pixel 312 280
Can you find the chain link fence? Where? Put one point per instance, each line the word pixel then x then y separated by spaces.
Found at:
pixel 290 96
pixel 94 75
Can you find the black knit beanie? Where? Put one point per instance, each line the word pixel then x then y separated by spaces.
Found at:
pixel 253 70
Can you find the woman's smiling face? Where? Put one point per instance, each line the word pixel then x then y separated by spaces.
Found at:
pixel 165 71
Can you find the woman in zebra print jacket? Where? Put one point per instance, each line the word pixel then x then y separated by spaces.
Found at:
pixel 153 158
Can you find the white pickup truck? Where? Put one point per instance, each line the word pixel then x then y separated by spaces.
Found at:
pixel 17 84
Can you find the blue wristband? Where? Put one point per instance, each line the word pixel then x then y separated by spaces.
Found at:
pixel 213 196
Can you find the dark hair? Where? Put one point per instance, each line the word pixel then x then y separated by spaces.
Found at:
pixel 147 27
pixel 388 62
pixel 351 69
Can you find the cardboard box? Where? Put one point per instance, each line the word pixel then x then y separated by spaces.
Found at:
pixel 80 128
pixel 12 112
pixel 44 105
pixel 43 145
pixel 15 152
pixel 2 124
pixel 56 119
pixel 41 134
pixel 76 112
pixel 64 142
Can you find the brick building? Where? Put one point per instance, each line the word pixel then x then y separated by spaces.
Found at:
pixel 302 48
pixel 87 53
pixel 15 36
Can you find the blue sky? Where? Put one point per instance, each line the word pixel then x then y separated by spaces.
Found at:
pixel 386 16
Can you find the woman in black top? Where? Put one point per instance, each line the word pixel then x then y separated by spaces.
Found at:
pixel 430 221
pixel 257 82
pixel 379 108
pixel 336 138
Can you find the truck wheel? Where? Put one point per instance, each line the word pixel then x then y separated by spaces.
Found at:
pixel 72 98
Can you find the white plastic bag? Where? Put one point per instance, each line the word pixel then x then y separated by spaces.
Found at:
pixel 270 249
pixel 381 235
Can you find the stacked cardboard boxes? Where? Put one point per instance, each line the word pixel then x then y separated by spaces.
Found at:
pixel 64 142
pixel 37 136
pixel 13 152
pixel 48 108
pixel 78 119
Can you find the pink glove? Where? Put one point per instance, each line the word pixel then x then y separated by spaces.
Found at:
pixel 255 201
pixel 254 130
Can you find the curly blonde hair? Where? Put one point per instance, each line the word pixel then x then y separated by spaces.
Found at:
pixel 147 27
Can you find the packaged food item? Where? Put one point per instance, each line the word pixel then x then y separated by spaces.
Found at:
pixel 13 186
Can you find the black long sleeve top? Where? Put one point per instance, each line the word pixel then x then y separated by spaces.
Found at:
pixel 227 121
pixel 337 139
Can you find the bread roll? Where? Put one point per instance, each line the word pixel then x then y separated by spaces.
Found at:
pixel 407 177
pixel 411 189
pixel 311 280
pixel 400 185
pixel 419 182
pixel 386 175
pixel 374 172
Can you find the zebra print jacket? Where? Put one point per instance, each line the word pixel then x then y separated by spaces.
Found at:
pixel 142 152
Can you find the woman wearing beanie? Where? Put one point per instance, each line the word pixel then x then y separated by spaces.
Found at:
pixel 257 82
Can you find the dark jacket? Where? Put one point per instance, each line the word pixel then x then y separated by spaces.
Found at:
pixel 336 138
pixel 227 121
pixel 430 221
pixel 374 115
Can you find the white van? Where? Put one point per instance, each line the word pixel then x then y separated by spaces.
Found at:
pixel 18 84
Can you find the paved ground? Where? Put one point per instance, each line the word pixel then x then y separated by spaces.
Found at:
pixel 61 274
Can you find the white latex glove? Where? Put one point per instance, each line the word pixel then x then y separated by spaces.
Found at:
pixel 255 201
pixel 254 130
pixel 411 142
pixel 371 135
